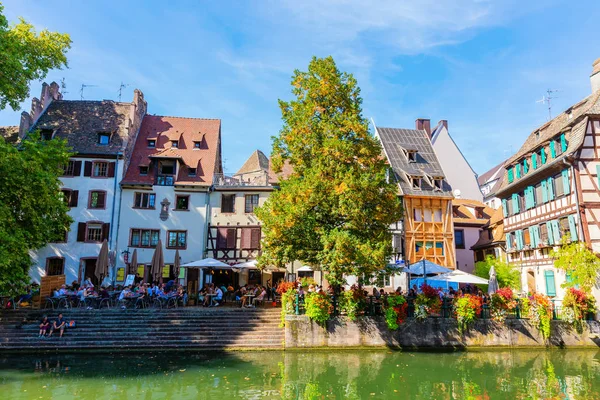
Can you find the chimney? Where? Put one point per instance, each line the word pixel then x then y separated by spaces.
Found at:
pixel 444 122
pixel 595 77
pixel 423 124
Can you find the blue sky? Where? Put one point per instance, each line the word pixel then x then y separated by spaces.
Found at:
pixel 480 64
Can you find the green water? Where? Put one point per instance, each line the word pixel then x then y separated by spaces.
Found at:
pixel 565 374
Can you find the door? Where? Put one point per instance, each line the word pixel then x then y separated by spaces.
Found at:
pixel 531 282
pixel 277 277
pixel 192 280
pixel 89 270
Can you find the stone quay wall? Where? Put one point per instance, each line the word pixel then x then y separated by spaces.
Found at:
pixel 433 333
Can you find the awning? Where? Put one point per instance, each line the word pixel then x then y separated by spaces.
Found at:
pixel 247 265
pixel 305 268
pixel 428 267
pixel 207 263
pixel 461 277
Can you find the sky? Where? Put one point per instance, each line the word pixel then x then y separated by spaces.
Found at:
pixel 483 65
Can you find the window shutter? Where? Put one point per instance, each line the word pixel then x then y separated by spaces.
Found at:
pixel 518 169
pixel 508 244
pixel 504 208
pixel 555 231
pixel 544 192
pixel 527 198
pixel 552 149
pixel 87 169
pixel 511 175
pixel 543 155
pixel 231 238
pixel 565 177
pixel 111 170
pixel 222 238
pixel 74 198
pixel 532 242
pixel 550 187
pixel 255 239
pixel 598 174
pixel 550 234
pixel 563 142
pixel 105 231
pixel 519 236
pixel 550 285
pixel 534 160
pixel 76 168
pixel 246 238
pixel 515 199
pixel 536 235
pixel 525 167
pixel 101 199
pixel 573 228
pixel 81 232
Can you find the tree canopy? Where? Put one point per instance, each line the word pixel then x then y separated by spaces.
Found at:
pixel 506 274
pixel 32 209
pixel 579 263
pixel 335 209
pixel 26 55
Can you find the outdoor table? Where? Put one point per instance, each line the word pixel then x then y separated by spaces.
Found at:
pixel 250 296
pixel 210 298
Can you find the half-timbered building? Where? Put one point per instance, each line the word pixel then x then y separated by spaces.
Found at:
pixel 551 191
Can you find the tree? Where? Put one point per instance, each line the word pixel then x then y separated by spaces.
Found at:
pixel 25 56
pixel 579 263
pixel 335 208
pixel 32 209
pixel 506 274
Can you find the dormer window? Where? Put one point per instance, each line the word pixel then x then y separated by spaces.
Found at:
pixel 197 144
pixel 479 213
pixel 175 144
pixel 143 170
pixel 151 143
pixel 416 182
pixel 103 138
pixel 46 134
pixel 191 171
pixel 411 155
pixel 438 183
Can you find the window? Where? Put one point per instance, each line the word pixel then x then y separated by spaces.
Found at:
pixel 70 197
pixel 143 170
pixel 526 237
pixel 100 169
pixel 226 238
pixel 93 233
pixel 250 238
pixel 55 266
pixel 251 202
pixel 416 182
pixel 479 213
pixel 509 207
pixel 454 211
pixel 167 168
pixel 182 202
pixel 151 143
pixel 144 200
pixel 439 249
pixel 177 239
pixel 174 143
pixel 543 228
pixel 103 138
pixel 73 168
pixel 438 183
pixel 197 144
pixel 563 224
pixel 559 187
pixel 558 148
pixel 97 199
pixel 228 203
pixel 437 215
pixel 427 215
pixel 411 155
pixel 539 195
pixel 417 215
pixel 459 237
pixel 191 171
pixel 144 237
pixel 46 134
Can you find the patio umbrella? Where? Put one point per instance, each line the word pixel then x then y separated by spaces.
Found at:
pixel 459 276
pixel 102 262
pixel 493 286
pixel 427 267
pixel 158 262
pixel 176 264
pixel 206 263
pixel 133 263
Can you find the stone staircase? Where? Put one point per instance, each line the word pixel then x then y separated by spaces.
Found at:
pixel 185 328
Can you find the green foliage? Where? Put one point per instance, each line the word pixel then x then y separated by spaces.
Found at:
pixel 25 56
pixel 307 281
pixel 395 311
pixel 466 308
pixel 317 307
pixel 540 313
pixel 32 210
pixel 335 208
pixel 579 263
pixel 287 304
pixel 506 274
pixel 352 301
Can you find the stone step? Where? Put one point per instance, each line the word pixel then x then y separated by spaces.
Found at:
pixel 173 336
pixel 66 342
pixel 145 333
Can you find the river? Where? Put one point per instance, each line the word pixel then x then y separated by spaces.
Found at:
pixel 519 374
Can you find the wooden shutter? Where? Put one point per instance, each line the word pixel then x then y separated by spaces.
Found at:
pixel 515 200
pixel 111 170
pixel 536 234
pixel 87 168
pixel 544 191
pixel 74 198
pixel 550 284
pixel 525 167
pixel 105 231
pixel 550 233
pixel 543 155
pixel 222 238
pixel 534 160
pixel 231 238
pixel 101 200
pixel 504 208
pixel 246 238
pixel 519 237
pixel 255 238
pixel 565 178
pixel 573 228
pixel 81 232
pixel 511 175
pixel 76 168
pixel 555 231
pixel 563 142
pixel 508 243
pixel 552 149
pixel 550 187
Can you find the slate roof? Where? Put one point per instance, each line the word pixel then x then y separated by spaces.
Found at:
pixel 205 159
pixel 256 162
pixel 491 174
pixel 10 134
pixel 466 217
pixel 80 122
pixel 394 142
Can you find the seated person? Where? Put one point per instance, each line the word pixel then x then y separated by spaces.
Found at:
pixel 125 293
pixel 243 297
pixel 260 297
pixel 207 297
pixel 44 326
pixel 218 297
pixel 59 325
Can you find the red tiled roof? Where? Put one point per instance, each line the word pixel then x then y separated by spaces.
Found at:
pixel 286 170
pixel 188 130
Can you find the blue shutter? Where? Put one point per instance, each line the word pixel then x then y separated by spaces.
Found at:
pixel 563 142
pixel 534 160
pixel 532 242
pixel 518 170
pixel 511 175
pixel 504 208
pixel 508 244
pixel 544 191
pixel 552 150
pixel 515 202
pixel 598 174
pixel 550 234
pixel 550 187
pixel 555 231
pixel 573 228
pixel 565 177
pixel 525 167
pixel 536 232
pixel 519 235
pixel 550 285
pixel 543 155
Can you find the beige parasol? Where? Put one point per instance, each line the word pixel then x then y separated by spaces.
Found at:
pixel 158 262
pixel 133 263
pixel 102 262
pixel 176 265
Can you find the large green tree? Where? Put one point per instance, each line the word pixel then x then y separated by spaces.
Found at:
pixel 579 263
pixel 506 274
pixel 26 55
pixel 32 210
pixel 335 209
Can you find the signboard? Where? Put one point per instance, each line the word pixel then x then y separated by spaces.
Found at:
pixel 120 274
pixel 130 279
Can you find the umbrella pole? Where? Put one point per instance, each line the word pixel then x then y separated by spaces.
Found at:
pixel 424 273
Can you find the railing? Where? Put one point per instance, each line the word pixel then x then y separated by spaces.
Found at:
pixel 258 178
pixel 165 180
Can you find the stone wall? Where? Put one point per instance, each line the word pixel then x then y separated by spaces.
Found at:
pixel 434 333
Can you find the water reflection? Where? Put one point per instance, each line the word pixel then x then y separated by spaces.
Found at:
pixel 572 374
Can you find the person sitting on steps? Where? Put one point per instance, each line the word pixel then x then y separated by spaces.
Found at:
pixel 44 326
pixel 59 325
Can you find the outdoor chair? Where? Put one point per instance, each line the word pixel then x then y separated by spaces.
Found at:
pixel 52 302
pixel 105 301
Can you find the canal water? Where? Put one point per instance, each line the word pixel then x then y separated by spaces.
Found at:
pixel 560 374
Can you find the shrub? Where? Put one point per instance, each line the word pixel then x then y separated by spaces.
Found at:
pixel 287 300
pixel 318 307
pixel 467 309
pixel 502 302
pixel 395 311
pixel 307 281
pixel 352 301
pixel 286 286
pixel 576 305
pixel 427 302
pixel 540 313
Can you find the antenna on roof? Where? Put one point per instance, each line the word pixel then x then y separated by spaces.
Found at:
pixel 83 86
pixel 121 87
pixel 63 86
pixel 547 99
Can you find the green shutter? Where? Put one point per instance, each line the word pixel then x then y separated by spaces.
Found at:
pixel 525 167
pixel 515 200
pixel 511 175
pixel 508 244
pixel 555 231
pixel 565 177
pixel 544 191
pixel 563 142
pixel 518 170
pixel 550 285
pixel 550 187
pixel 536 234
pixel 519 236
pixel 534 160
pixel 531 237
pixel 552 150
pixel 550 234
pixel 573 228
pixel 504 208
pixel 543 155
